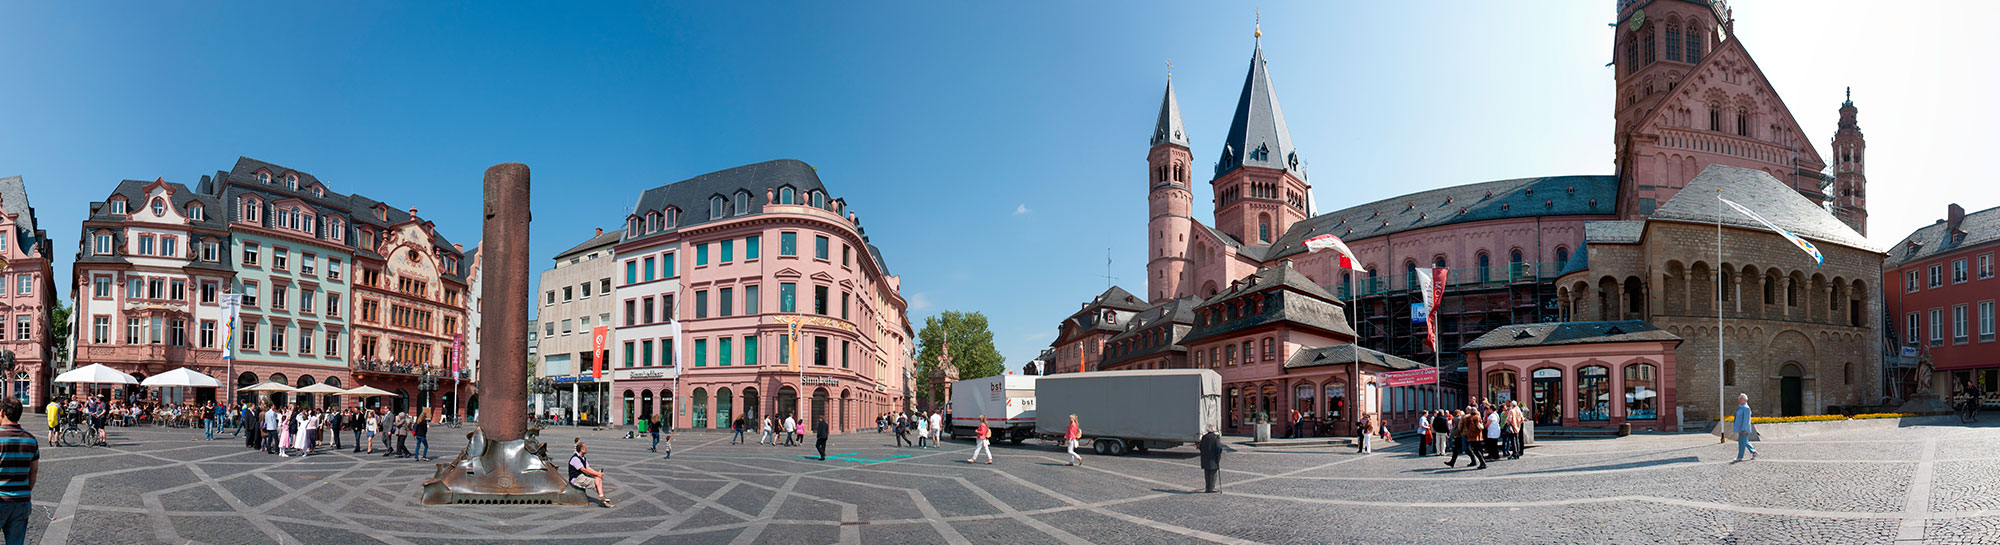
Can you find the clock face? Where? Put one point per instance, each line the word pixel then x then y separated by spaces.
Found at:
pixel 1638 20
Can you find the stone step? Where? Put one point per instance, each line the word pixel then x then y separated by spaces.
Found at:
pixel 1583 433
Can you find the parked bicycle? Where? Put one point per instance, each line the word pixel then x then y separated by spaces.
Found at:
pixel 1968 409
pixel 76 432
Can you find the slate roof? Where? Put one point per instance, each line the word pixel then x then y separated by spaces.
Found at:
pixel 1614 232
pixel 1501 199
pixel 134 191
pixel 1115 298
pixel 691 195
pixel 14 200
pixel 357 208
pixel 607 238
pixel 1562 333
pixel 1579 261
pixel 1176 315
pixel 1343 354
pixel 1289 297
pixel 1979 227
pixel 1259 124
pixel 1169 129
pixel 1758 191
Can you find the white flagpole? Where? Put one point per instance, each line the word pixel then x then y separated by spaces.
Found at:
pixel 1721 397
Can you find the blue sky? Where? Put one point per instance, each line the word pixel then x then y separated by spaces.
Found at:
pixel 993 150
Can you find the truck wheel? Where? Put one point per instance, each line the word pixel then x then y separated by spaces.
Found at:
pixel 1102 447
pixel 1116 448
pixel 1018 438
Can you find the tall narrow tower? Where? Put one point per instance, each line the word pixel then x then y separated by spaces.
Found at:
pixel 1260 187
pixel 1171 205
pixel 1850 181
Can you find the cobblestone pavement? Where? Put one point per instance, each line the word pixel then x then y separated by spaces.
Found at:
pixel 1920 484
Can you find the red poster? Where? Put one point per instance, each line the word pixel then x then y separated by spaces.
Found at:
pixel 457 352
pixel 1415 377
pixel 597 336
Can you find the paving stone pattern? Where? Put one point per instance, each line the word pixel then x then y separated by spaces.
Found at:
pixel 1919 484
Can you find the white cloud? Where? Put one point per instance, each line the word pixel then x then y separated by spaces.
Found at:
pixel 1022 209
pixel 919 301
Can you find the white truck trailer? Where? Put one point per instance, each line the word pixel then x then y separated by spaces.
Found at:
pixel 1008 401
pixel 1121 411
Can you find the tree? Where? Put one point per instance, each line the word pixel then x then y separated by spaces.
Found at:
pixel 59 330
pixel 972 349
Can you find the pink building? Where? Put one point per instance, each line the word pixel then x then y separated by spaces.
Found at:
pixel 27 293
pixel 1591 374
pixel 1940 291
pixel 783 306
pixel 147 277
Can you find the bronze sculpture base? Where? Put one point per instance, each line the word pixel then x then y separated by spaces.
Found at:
pixel 502 472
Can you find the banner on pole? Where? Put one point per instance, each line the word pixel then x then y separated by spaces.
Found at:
pixel 597 338
pixel 1431 281
pixel 1414 377
pixel 457 352
pixel 231 304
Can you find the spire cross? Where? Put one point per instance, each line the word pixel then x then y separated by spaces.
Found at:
pixel 1260 24
pixel 1170 69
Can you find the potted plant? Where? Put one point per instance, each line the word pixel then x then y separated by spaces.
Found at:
pixel 1262 422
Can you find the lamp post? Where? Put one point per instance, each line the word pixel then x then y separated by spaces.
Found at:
pixel 426 384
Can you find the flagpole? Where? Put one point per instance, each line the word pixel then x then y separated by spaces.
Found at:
pixel 1721 397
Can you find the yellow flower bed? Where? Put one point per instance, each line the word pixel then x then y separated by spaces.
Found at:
pixel 1818 418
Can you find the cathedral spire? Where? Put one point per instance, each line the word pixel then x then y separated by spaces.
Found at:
pixel 1257 135
pixel 1169 130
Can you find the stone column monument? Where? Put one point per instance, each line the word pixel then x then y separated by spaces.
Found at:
pixel 503 461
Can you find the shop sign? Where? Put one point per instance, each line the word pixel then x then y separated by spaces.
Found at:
pixel 820 380
pixel 1427 375
pixel 650 373
pixel 574 379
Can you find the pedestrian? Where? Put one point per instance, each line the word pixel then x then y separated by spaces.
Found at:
pixel 937 428
pixel 1441 426
pixel 656 434
pixel 800 432
pixel 581 475
pixel 764 429
pixel 308 428
pixel 285 426
pixel 20 464
pixel 371 425
pixel 1492 426
pixel 1469 435
pixel 1368 431
pixel 421 429
pixel 336 419
pixel 1070 437
pixel 819 437
pixel 1211 457
pixel 923 431
pixel 403 424
pixel 879 419
pixel 208 421
pixel 1743 428
pixel 669 433
pixel 739 427
pixel 980 442
pixel 1423 433
pixel 1510 437
pixel 1295 420
pixel 787 429
pixel 902 432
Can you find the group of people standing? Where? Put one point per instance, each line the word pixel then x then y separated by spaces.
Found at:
pixel 928 427
pixel 1482 432
pixel 771 430
pixel 284 430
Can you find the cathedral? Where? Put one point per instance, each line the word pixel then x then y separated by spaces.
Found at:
pixel 1693 110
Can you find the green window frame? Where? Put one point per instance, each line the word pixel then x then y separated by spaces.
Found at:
pixel 788 244
pixel 701 254
pixel 667 352
pixel 647 349
pixel 844 352
pixel 722 351
pixel 667 269
pixel 784 349
pixel 649 269
pixel 788 297
pixel 631 271
pixel 701 352
pixel 725 301
pixel 728 250
pixel 750 299
pixel 750 350
pixel 628 353
pixel 750 245
pixel 819 247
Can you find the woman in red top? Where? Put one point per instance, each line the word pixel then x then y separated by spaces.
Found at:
pixel 1070 437
pixel 983 434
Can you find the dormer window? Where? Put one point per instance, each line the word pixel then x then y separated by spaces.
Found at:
pixel 263 177
pixel 159 207
pixel 253 211
pixel 652 222
pixel 319 191
pixel 715 207
pixel 742 202
pixel 818 200
pixel 118 206
pixel 292 182
pixel 787 196
pixel 632 227
pixel 195 212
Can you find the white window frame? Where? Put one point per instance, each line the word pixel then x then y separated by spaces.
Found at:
pixel 1937 327
pixel 1985 266
pixel 1913 329
pixel 1937 275
pixel 1959 320
pixel 1985 321
pixel 1959 271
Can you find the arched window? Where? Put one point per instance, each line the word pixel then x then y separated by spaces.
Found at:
pixel 1264 228
pixel 1562 256
pixel 1673 42
pixel 1485 267
pixel 787 196
pixel 1410 274
pixel 1593 393
pixel 1728 372
pixel 818 200
pixel 159 207
pixel 742 202
pixel 1847 374
pixel 292 182
pixel 1642 392
pixel 715 207
pixel 700 408
pixel 263 177
pixel 1694 45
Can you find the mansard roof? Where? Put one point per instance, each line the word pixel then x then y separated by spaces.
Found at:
pixel 14 200
pixel 1090 316
pixel 1566 333
pixel 1295 301
pixel 1169 129
pixel 134 192
pixel 1175 318
pixel 1257 133
pixel 691 195
pixel 1503 199
pixel 1758 191
pixel 1978 227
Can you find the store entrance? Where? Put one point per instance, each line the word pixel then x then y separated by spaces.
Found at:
pixel 1547 392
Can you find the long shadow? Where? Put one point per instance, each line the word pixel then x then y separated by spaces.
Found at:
pixel 1628 465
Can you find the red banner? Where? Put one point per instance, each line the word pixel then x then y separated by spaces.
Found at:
pixel 1398 379
pixel 1434 298
pixel 597 336
pixel 457 352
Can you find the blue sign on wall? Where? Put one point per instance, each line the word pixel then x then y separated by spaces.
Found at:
pixel 1416 313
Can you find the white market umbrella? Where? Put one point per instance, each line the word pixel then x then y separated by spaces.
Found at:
pixel 321 388
pixel 96 373
pixel 366 391
pixel 182 377
pixel 267 387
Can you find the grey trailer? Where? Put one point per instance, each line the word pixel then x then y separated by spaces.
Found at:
pixel 1120 411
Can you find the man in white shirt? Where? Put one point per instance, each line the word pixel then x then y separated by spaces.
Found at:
pixel 937 428
pixel 790 424
pixel 1492 433
pixel 1423 433
pixel 270 430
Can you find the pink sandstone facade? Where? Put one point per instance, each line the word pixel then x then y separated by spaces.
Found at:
pixel 27 294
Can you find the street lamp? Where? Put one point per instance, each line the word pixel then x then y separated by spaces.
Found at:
pixel 427 383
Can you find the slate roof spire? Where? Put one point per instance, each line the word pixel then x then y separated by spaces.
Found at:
pixel 1169 129
pixel 1257 135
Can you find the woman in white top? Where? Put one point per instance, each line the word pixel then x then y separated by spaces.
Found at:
pixel 764 426
pixel 372 427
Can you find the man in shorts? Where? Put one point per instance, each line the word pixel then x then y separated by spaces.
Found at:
pixel 581 475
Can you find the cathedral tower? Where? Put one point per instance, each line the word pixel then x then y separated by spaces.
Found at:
pixel 1850 181
pixel 1171 205
pixel 1260 188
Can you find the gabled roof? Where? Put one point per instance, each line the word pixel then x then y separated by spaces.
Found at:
pixel 1758 191
pixel 1563 333
pixel 1257 134
pixel 1502 199
pixel 1113 298
pixel 691 195
pixel 1169 129
pixel 604 239
pixel 1735 42
pixel 14 200
pixel 1344 354
pixel 134 192
pixel 1289 297
pixel 1176 317
pixel 1979 227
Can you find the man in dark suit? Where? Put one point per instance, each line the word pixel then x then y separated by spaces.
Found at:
pixel 819 433
pixel 1211 457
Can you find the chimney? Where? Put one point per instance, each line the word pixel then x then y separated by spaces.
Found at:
pixel 1954 215
pixel 413 211
pixel 600 232
pixel 461 247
